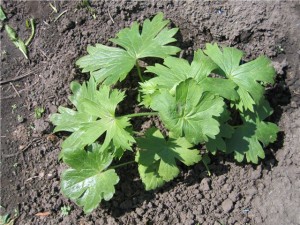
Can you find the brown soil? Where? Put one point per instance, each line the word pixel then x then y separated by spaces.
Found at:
pixel 268 193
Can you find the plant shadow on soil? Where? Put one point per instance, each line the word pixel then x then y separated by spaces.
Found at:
pixel 279 96
pixel 131 194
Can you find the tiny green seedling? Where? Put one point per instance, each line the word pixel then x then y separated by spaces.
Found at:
pixel 87 4
pixel 20 118
pixel 2 14
pixel 13 108
pixel 194 105
pixel 65 210
pixel 31 126
pixel 27 24
pixel 279 49
pixel 38 112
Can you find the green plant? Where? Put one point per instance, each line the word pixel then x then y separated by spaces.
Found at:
pixel 5 219
pixel 20 118
pixel 8 219
pixel 2 14
pixel 214 101
pixel 13 108
pixel 65 210
pixel 17 41
pixel 38 112
pixel 86 4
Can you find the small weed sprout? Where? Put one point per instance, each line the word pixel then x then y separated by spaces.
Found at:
pixel 13 107
pixel 65 210
pixel 20 118
pixel 38 112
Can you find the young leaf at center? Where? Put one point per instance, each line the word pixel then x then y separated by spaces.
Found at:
pixel 190 113
pixel 176 70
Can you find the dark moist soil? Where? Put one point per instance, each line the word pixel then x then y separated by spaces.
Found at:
pixel 268 193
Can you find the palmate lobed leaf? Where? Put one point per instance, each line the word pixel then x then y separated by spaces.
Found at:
pixel 190 113
pixel 88 181
pixel 70 120
pixel 112 64
pixel 157 157
pixel 151 42
pixel 176 70
pixel 226 131
pixel 150 176
pixel 82 91
pixel 245 76
pixel 254 134
pixel 94 117
pixel 108 64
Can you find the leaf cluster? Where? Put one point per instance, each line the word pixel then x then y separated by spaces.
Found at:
pixel 215 102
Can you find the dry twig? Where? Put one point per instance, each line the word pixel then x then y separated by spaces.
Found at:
pixel 16 78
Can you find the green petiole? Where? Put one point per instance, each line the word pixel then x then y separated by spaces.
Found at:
pixel 121 165
pixel 32 25
pixel 139 71
pixel 141 114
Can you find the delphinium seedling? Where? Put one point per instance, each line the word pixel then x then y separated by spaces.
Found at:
pixel 195 101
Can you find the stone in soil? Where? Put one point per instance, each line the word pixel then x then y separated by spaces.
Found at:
pixel 227 205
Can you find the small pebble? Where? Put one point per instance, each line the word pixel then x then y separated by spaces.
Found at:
pixel 227 205
pixel 205 184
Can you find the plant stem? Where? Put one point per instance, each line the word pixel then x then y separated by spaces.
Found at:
pixel 139 71
pixel 141 114
pixel 120 165
pixel 60 15
pixel 32 25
